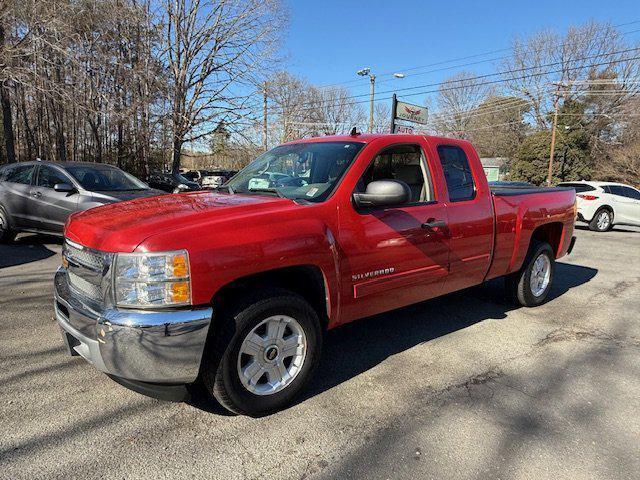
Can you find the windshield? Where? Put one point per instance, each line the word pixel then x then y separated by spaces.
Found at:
pixel 307 171
pixel 105 179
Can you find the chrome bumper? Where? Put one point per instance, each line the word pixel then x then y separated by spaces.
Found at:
pixel 147 346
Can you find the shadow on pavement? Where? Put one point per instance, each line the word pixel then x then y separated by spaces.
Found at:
pixel 352 349
pixel 27 249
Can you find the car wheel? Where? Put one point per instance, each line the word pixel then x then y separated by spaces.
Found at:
pixel 6 232
pixel 530 285
pixel 601 221
pixel 264 353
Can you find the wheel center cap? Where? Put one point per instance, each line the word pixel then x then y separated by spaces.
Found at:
pixel 271 353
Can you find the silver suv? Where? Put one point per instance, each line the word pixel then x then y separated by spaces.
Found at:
pixel 39 196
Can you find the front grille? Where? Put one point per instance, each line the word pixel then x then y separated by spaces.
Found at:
pixel 87 270
pixel 85 287
pixel 85 257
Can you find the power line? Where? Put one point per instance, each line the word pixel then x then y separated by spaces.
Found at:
pixel 444 62
pixel 315 105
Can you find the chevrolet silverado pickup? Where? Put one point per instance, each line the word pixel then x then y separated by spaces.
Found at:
pixel 235 288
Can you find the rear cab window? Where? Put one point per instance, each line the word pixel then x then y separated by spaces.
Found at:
pixel 457 173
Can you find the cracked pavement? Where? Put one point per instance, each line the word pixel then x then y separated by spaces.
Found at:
pixel 464 386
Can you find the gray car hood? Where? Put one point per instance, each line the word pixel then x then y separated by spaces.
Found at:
pixel 112 197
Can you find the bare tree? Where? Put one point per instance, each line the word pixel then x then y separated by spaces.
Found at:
pixel 458 97
pixel 211 48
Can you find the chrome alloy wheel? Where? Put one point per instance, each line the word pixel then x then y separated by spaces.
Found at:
pixel 540 275
pixel 272 355
pixel 603 220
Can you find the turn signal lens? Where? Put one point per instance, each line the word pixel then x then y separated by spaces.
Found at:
pixel 587 197
pixel 180 292
pixel 180 268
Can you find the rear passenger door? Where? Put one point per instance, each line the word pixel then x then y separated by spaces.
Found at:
pixel 626 205
pixel 53 208
pixel 19 201
pixel 470 216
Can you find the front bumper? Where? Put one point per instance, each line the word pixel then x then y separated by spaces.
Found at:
pixel 147 346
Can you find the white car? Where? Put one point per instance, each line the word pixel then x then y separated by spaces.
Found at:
pixel 605 204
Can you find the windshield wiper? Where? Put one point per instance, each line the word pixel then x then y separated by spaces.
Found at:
pixel 267 190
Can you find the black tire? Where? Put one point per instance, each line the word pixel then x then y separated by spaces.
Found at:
pixel 593 224
pixel 518 284
pixel 7 234
pixel 220 363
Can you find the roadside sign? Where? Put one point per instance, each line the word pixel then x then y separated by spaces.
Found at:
pixel 411 113
pixel 404 129
pixel 407 112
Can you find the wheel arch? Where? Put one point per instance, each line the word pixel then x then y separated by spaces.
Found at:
pixel 306 280
pixel 550 233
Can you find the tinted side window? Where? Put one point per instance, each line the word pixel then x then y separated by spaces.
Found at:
pixel 48 177
pixel 616 190
pixel 630 193
pixel 578 187
pixel 457 173
pixel 21 174
pixel 606 189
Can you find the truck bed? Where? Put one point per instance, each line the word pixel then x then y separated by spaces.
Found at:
pixel 519 211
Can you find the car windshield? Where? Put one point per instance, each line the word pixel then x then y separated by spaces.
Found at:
pixel 105 179
pixel 307 171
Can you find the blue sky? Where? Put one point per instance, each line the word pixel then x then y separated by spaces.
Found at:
pixel 329 40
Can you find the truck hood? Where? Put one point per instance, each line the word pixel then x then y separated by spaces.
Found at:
pixel 121 227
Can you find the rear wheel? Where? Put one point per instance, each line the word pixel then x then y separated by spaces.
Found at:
pixel 601 221
pixel 530 285
pixel 264 354
pixel 6 232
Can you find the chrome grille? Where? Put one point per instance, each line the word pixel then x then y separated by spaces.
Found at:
pixel 86 257
pixel 85 287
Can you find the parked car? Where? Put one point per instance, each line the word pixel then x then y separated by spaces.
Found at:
pixel 217 178
pixel 208 178
pixel 605 204
pixel 237 289
pixel 40 196
pixel 172 182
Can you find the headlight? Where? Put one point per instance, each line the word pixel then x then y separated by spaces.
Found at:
pixel 152 279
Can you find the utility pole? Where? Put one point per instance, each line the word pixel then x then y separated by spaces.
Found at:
pixel 553 141
pixel 264 116
pixel 553 132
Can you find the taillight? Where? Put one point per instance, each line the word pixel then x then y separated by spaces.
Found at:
pixel 588 197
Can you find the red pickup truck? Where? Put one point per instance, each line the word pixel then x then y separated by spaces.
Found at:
pixel 235 288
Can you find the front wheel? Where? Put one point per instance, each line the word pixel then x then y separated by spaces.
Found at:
pixel 530 285
pixel 601 221
pixel 265 352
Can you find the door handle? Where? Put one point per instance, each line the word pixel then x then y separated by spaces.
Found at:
pixel 36 194
pixel 433 223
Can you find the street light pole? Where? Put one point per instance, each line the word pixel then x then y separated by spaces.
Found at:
pixel 554 127
pixel 371 98
pixel 366 72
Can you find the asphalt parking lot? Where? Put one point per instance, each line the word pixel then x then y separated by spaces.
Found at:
pixel 459 387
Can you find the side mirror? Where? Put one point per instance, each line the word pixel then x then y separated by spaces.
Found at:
pixel 64 187
pixel 383 193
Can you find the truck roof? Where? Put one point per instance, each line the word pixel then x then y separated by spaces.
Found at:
pixel 370 137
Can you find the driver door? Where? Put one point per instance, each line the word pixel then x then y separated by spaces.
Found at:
pixel 392 258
